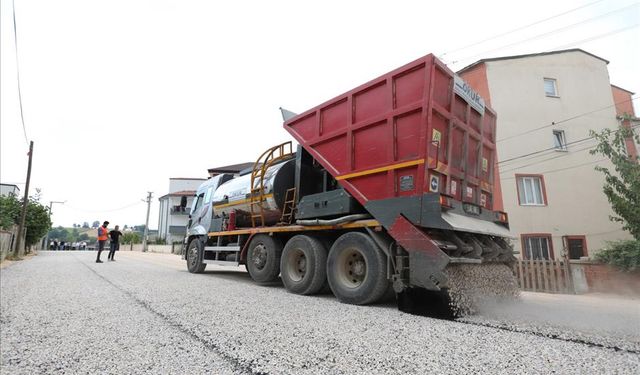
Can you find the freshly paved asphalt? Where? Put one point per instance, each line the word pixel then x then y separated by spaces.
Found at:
pixel 60 312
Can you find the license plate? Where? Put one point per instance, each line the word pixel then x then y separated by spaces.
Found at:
pixel 471 209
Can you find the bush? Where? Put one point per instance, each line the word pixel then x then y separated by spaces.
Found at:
pixel 621 254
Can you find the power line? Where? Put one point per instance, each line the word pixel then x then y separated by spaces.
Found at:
pixel 555 123
pixel 547 33
pixel 521 28
pixel 15 39
pixel 101 211
pixel 553 148
pixel 547 159
pixel 596 37
pixel 543 150
pixel 558 169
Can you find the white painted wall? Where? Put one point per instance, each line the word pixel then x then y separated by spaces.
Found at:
pixel 576 203
pixel 167 219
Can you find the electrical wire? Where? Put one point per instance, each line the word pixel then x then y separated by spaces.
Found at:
pixel 632 128
pixel 554 148
pixel 548 159
pixel 521 28
pixel 555 123
pixel 101 211
pixel 596 37
pixel 547 33
pixel 15 39
pixel 558 169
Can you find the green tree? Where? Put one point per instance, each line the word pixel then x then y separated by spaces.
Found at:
pixel 95 224
pixel 37 222
pixel 60 233
pixel 85 224
pixel 622 254
pixel 9 211
pixel 131 237
pixel 37 219
pixel 83 237
pixel 622 187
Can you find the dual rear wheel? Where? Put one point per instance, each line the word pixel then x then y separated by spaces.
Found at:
pixel 354 267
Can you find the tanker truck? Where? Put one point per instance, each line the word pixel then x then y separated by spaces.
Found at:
pixel 389 190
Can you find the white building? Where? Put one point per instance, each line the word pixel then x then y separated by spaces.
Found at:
pixel 6 189
pixel 546 104
pixel 173 219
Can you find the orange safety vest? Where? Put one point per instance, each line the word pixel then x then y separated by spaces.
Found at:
pixel 103 234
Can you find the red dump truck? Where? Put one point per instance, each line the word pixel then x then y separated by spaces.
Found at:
pixel 390 187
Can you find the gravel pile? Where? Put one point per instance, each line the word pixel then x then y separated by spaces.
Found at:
pixel 470 285
pixel 168 321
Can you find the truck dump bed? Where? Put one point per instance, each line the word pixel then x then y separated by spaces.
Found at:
pixel 414 130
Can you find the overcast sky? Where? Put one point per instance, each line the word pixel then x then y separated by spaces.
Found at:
pixel 119 96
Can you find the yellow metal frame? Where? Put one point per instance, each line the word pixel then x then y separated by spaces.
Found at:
pixel 239 202
pixel 381 169
pixel 268 158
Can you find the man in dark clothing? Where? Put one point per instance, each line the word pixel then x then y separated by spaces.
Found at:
pixel 115 242
pixel 103 234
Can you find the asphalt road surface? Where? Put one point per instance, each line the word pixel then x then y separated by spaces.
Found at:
pixel 144 313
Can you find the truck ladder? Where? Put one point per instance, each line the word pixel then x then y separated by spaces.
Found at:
pixel 289 207
pixel 268 158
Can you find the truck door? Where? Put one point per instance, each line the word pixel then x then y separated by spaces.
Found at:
pixel 200 218
pixel 194 216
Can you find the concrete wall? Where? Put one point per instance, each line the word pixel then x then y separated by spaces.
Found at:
pixel 576 204
pixel 5 243
pixel 166 249
pixel 602 278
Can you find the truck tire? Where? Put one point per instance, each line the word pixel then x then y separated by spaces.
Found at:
pixel 356 269
pixel 194 256
pixel 303 266
pixel 263 258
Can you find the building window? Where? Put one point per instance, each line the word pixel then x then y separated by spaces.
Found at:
pixel 537 246
pixel 559 140
pixel 531 190
pixel 576 246
pixel 550 87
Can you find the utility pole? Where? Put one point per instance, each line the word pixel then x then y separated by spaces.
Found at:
pixel 46 240
pixel 25 203
pixel 146 224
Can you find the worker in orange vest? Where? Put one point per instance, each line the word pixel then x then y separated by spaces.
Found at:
pixel 103 234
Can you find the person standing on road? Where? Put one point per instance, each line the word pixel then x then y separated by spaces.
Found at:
pixel 115 242
pixel 103 234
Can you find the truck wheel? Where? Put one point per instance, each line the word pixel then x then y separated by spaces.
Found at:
pixel 194 256
pixel 263 258
pixel 303 265
pixel 356 269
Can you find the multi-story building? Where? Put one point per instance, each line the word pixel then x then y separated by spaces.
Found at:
pixel 547 104
pixel 172 224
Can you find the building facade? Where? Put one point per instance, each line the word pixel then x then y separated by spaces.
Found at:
pixel 173 219
pixel 547 104
pixel 6 189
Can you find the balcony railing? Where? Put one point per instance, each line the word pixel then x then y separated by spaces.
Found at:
pixel 177 210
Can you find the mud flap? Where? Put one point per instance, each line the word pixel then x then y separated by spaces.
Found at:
pixel 426 260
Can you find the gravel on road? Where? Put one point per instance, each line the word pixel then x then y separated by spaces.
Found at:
pixel 61 312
